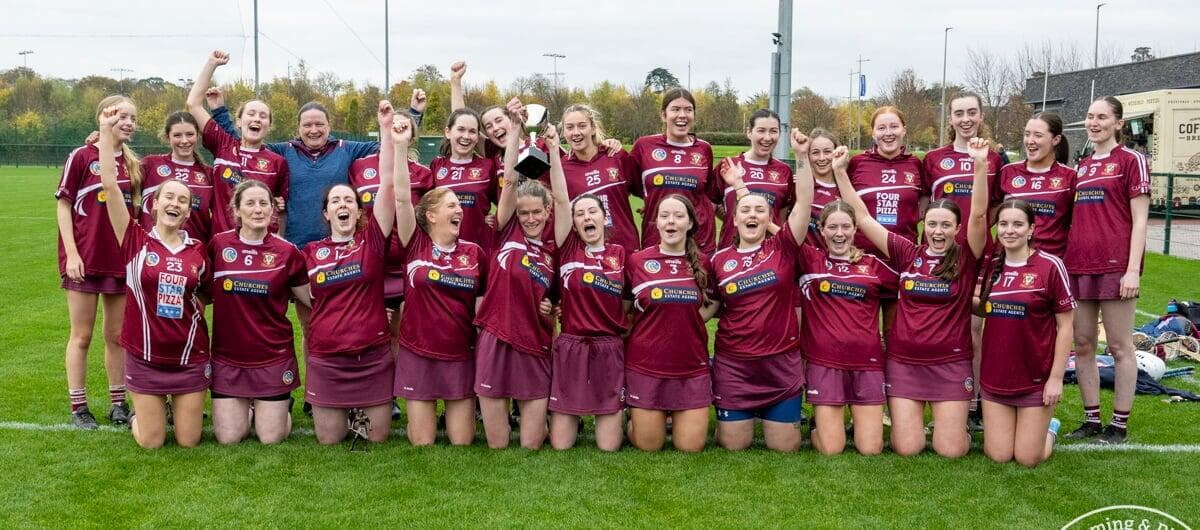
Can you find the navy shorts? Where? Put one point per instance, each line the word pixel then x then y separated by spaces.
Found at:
pixel 786 411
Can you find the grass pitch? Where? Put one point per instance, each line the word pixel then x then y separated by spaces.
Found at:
pixel 56 476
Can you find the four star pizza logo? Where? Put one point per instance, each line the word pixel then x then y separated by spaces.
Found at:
pixel 268 259
pixel 659 154
pixel 370 173
pixel 476 173
pixel 614 174
pixel 163 170
pixel 1109 169
pixel 697 159
pixel 262 164
pixel 946 164
pixel 1028 278
pixel 909 178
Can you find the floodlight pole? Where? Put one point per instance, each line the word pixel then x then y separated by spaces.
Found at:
pixel 942 125
pixel 783 79
pixel 256 91
pixel 387 60
pixel 25 57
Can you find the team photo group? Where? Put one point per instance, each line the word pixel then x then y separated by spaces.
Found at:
pixel 527 280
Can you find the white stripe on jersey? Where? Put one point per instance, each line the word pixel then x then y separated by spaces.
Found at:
pixel 80 195
pixel 508 248
pixel 646 173
pixel 1060 268
pixel 1143 178
pixel 147 194
pixel 729 190
pixel 939 181
pixel 604 187
pixel 642 286
pixel 319 268
pixel 133 275
pixel 223 274
pixel 1019 291
pixel 197 311
pixel 221 161
pixel 565 270
pixel 368 187
pixel 1089 181
pixel 62 182
pixel 457 184
pixel 865 191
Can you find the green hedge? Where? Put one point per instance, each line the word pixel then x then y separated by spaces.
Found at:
pixel 724 138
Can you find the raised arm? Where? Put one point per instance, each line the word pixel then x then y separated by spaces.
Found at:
pixel 195 99
pixel 416 107
pixel 118 214
pixel 977 219
pixel 457 100
pixel 563 216
pixel 801 213
pixel 875 232
pixel 406 218
pixel 385 202
pixel 508 189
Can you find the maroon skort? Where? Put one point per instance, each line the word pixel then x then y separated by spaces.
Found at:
pixel 251 383
pixel 152 379
pixel 350 381
pixel 834 387
pixel 748 384
pixel 952 381
pixel 588 377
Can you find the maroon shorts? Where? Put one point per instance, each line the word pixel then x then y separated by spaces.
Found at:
pixel 96 284
pixel 252 383
pixel 748 384
pixel 1097 286
pixel 503 372
pixel 1029 399
pixel 951 381
pixel 660 393
pixel 350 381
pixel 588 376
pixel 838 388
pixel 426 379
pixel 393 288
pixel 152 379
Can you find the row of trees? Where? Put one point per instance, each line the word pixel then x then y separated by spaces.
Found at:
pixel 56 111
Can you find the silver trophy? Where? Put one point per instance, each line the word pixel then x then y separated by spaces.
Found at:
pixel 533 162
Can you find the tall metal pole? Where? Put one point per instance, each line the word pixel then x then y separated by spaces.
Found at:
pixel 858 105
pixel 256 90
pixel 1045 86
pixel 942 125
pixel 1096 53
pixel 783 102
pixel 849 107
pixel 387 60
pixel 25 57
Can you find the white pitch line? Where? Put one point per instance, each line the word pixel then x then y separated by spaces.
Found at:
pixel 1146 313
pixel 1128 448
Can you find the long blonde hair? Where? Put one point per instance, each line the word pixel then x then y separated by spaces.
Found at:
pixel 133 164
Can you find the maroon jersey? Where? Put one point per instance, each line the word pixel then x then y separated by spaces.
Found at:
pixel 252 283
pixel 365 177
pixel 840 300
pixel 477 184
pixel 664 168
pixel 346 280
pixel 668 338
pixel 1020 331
pixel 1049 193
pixel 164 320
pixel 823 194
pixel 522 271
pixel 933 322
pixel 80 186
pixel 439 298
pixel 891 189
pixel 593 288
pixel 157 169
pixel 772 180
pixel 1101 220
pixel 950 174
pixel 611 178
pixel 233 163
pixel 756 288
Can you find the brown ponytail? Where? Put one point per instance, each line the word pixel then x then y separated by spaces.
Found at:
pixel 947 269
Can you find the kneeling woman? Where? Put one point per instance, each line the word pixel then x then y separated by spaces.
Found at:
pixel 757 369
pixel 512 354
pixel 349 365
pixel 840 289
pixel 666 360
pixel 1028 309
pixel 164 335
pixel 929 347
pixel 255 274
pixel 435 357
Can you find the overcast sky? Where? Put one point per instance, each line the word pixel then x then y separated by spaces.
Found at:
pixel 618 40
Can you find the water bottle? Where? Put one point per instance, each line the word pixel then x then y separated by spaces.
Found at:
pixel 1172 306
